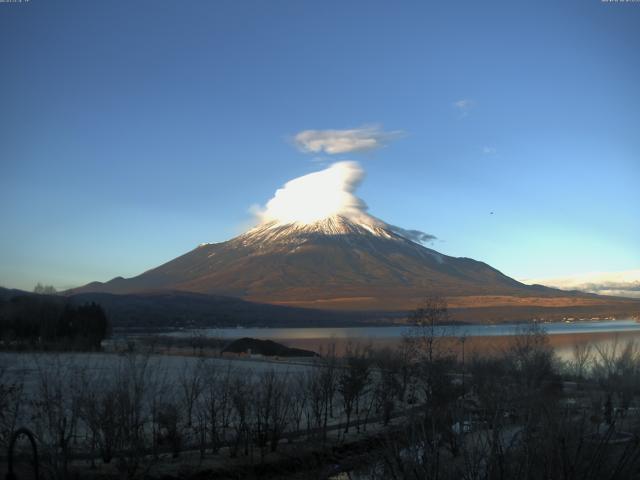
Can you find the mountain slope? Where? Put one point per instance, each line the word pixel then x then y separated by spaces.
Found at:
pixel 173 309
pixel 186 309
pixel 333 263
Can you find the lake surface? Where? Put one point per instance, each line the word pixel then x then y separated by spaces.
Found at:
pixel 480 339
pixel 558 328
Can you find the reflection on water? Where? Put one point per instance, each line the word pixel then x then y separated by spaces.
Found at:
pixel 478 338
pixel 557 328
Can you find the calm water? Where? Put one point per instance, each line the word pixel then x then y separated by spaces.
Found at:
pixel 481 339
pixel 559 328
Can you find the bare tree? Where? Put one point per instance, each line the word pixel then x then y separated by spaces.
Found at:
pixel 617 371
pixel 169 426
pixel 55 408
pixel 316 399
pixel 98 412
pixel 321 382
pixel 327 383
pixel 531 357
pixel 216 403
pixel 11 399
pixel 190 383
pixel 298 397
pixel 271 409
pixel 582 358
pixel 353 377
pixel 428 336
pixel 138 394
pixel 242 402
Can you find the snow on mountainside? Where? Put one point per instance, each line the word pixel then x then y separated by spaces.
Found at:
pixel 622 284
pixel 337 228
pixel 317 246
pixel 334 225
pixel 332 262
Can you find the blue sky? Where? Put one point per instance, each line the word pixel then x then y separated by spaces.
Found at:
pixel 132 131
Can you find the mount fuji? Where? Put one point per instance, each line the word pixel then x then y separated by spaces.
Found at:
pixel 335 263
pixel 316 246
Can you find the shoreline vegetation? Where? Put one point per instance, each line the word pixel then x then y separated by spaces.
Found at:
pixel 378 412
pixel 162 311
pixel 427 406
pixel 48 322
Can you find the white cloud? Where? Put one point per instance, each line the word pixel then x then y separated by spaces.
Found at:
pixel 489 150
pixel 323 194
pixel 334 142
pixel 619 284
pixel 417 236
pixel 464 106
pixel 317 195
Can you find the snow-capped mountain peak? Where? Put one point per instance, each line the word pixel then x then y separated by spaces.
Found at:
pixel 334 226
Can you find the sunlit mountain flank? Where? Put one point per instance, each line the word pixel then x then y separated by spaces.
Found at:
pixel 317 246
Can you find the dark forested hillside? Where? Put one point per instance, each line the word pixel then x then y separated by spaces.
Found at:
pixel 165 309
pixel 47 321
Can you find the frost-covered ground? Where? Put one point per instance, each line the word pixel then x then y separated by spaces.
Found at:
pixel 30 367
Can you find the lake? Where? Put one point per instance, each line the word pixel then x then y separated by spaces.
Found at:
pixel 479 338
pixel 557 328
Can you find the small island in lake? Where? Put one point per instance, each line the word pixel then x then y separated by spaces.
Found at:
pixel 266 348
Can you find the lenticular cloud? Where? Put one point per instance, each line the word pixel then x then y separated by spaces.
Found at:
pixel 334 142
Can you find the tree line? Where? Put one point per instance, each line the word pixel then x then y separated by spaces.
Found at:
pixel 428 412
pixel 46 321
